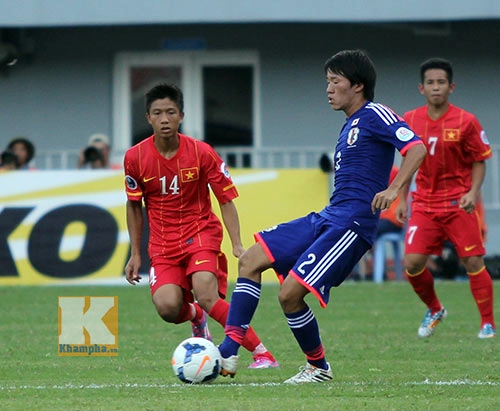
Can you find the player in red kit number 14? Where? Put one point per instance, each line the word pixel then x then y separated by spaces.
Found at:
pixel 173 175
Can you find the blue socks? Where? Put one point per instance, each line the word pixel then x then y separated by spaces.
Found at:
pixel 244 301
pixel 304 327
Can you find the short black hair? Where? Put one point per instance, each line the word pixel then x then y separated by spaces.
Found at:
pixel 436 63
pixel 9 157
pixel 162 91
pixel 30 148
pixel 357 67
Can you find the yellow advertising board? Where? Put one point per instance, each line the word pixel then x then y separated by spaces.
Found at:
pixel 67 226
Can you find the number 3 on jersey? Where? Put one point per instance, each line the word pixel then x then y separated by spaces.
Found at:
pixel 338 157
pixel 173 188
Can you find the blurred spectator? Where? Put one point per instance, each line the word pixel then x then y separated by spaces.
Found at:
pixel 8 161
pixel 389 230
pixel 97 153
pixel 388 222
pixel 24 151
pixel 482 217
pixel 326 162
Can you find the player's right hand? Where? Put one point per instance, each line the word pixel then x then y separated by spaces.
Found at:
pixel 132 270
pixel 238 251
pixel 402 211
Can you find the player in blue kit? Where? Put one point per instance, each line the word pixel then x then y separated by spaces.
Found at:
pixel 316 252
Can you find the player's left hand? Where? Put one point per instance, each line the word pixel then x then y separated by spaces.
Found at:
pixel 468 202
pixel 132 270
pixel 383 200
pixel 402 211
pixel 238 250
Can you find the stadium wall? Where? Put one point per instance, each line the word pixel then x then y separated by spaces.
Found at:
pixel 60 92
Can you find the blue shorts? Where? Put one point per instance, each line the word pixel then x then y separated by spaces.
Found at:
pixel 317 252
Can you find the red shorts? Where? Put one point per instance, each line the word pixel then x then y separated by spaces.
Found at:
pixel 426 233
pixel 169 271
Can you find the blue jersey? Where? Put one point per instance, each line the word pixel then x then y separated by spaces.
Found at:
pixel 363 159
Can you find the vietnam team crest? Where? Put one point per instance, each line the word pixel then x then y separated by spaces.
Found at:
pixel 189 174
pixel 451 134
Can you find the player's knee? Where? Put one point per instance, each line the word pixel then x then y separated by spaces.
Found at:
pixel 207 300
pixel 414 265
pixel 205 288
pixel 252 263
pixel 167 311
pixel 284 300
pixel 289 301
pixel 245 266
pixel 473 264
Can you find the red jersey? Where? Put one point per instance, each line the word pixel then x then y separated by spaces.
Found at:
pixel 453 142
pixel 177 195
pixel 390 213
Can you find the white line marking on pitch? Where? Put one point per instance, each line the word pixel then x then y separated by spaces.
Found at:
pixel 71 386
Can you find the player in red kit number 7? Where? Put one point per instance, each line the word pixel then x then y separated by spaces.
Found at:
pixel 445 202
pixel 173 174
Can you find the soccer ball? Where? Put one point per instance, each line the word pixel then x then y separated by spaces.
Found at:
pixel 196 361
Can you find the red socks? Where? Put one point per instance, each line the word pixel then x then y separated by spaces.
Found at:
pixel 481 287
pixel 423 284
pixel 186 313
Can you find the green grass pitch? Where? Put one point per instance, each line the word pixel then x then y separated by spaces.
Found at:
pixel 368 330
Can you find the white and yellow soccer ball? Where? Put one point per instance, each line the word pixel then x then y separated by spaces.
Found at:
pixel 196 361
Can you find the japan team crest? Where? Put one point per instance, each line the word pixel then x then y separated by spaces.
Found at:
pixel 352 137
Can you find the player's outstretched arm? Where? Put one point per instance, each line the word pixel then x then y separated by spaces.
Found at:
pixel 232 223
pixel 414 157
pixel 135 223
pixel 469 200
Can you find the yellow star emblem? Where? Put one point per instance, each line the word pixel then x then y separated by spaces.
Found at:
pixel 451 134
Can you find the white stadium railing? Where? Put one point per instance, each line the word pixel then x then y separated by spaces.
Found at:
pixel 271 157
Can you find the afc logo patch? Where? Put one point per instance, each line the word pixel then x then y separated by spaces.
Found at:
pixel 224 170
pixel 484 138
pixel 404 134
pixel 130 182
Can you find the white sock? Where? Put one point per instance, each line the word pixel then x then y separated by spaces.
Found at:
pixel 260 349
